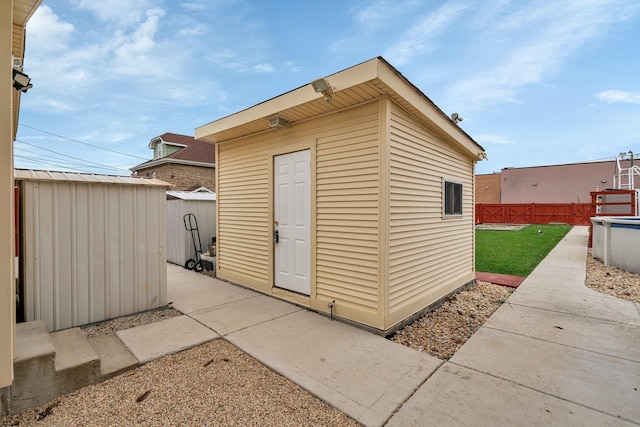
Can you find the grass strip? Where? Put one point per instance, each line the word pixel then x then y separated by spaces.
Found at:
pixel 516 253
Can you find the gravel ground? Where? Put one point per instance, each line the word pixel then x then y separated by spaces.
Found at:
pixel 214 384
pixel 612 281
pixel 442 332
pixel 127 322
pixel 218 384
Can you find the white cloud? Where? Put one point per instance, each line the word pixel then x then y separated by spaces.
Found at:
pixel 382 13
pixel 194 31
pixel 492 139
pixel 194 6
pixel 263 68
pixel 421 37
pixel 532 42
pixel 47 33
pixel 618 96
pixel 134 52
pixel 121 12
pixel 292 66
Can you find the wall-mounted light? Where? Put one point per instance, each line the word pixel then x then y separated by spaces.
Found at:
pixel 278 122
pixel 604 181
pixel 322 86
pixel 456 118
pixel 21 81
pixel 535 184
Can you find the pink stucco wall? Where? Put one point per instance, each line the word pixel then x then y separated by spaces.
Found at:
pixel 570 183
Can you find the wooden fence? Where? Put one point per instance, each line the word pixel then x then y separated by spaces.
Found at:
pixel 603 203
pixel 536 213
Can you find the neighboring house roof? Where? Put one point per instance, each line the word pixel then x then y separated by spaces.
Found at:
pixel 85 178
pixel 199 189
pixel 190 151
pixel 353 86
pixel 188 195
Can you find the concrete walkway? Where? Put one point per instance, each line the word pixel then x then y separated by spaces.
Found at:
pixel 556 353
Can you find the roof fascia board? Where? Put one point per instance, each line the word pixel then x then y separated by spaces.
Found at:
pixel 418 100
pixel 163 160
pixel 353 76
pixel 344 79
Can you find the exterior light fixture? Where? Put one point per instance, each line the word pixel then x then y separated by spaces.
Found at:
pixel 21 82
pixel 322 86
pixel 278 122
pixel 456 118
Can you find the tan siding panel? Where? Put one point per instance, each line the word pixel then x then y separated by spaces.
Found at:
pixel 347 204
pixel 242 197
pixel 425 249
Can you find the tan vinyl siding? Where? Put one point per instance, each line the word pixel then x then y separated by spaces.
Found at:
pixel 347 202
pixel 243 201
pixel 346 198
pixel 426 249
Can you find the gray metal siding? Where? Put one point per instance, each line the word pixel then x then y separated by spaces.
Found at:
pixel 91 251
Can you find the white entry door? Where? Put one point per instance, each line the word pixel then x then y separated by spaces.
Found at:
pixel 292 202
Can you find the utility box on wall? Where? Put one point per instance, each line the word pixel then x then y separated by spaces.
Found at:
pixel 93 247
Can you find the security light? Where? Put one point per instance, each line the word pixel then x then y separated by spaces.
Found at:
pixel 21 82
pixel 456 118
pixel 322 86
pixel 278 122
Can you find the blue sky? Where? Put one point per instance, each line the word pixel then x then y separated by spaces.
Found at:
pixel 537 82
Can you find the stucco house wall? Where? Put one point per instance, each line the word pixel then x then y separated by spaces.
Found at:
pixel 569 183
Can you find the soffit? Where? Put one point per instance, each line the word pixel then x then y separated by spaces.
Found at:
pixel 23 10
pixel 356 85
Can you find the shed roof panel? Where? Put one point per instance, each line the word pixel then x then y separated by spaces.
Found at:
pixel 41 175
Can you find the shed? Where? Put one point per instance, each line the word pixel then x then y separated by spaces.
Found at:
pixel 352 195
pixel 93 247
pixel 179 241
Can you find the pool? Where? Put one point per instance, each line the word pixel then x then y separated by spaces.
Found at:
pixel 616 241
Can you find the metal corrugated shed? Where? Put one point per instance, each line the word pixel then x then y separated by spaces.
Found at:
pixel 93 246
pixel 179 241
pixel 41 175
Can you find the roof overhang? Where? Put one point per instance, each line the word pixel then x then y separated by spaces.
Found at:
pixel 167 160
pixel 359 84
pixel 23 10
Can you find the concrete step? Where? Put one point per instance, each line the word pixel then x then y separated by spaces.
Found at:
pixel 73 350
pixel 33 341
pixel 49 365
pixel 76 363
pixel 33 371
pixel 115 358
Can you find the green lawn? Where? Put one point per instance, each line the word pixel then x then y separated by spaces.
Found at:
pixel 516 252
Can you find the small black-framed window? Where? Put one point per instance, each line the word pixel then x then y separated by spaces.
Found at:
pixel 452 197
